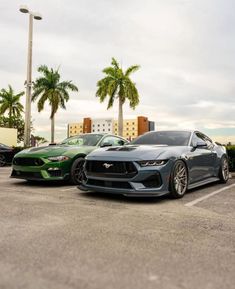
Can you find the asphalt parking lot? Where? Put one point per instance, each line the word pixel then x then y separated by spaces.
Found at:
pixel 55 236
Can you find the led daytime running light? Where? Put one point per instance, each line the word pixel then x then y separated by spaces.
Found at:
pixel 152 163
pixel 58 158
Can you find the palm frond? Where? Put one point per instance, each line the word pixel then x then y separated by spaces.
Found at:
pixel 131 69
pixel 118 84
pixel 115 63
pixel 10 102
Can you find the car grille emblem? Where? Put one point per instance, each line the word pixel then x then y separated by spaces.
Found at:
pixel 107 166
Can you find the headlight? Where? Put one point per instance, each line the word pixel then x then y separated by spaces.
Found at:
pixel 152 163
pixel 58 159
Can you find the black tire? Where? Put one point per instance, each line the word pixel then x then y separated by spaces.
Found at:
pixel 77 171
pixel 224 170
pixel 178 183
pixel 2 160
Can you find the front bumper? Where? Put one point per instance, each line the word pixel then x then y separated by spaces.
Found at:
pixel 149 181
pixel 49 171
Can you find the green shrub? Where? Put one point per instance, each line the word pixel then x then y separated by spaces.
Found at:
pixel 18 149
pixel 231 156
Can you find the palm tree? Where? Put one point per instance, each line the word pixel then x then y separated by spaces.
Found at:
pixel 118 85
pixel 49 88
pixel 9 101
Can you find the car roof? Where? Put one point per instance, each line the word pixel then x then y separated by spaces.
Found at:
pixel 97 133
pixel 173 130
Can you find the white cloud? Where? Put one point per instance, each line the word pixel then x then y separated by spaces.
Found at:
pixel 186 50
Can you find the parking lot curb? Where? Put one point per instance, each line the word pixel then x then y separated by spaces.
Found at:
pixel 232 174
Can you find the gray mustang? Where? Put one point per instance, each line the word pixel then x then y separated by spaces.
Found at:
pixel 157 163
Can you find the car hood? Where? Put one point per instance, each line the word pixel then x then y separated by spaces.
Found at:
pixel 137 152
pixel 57 150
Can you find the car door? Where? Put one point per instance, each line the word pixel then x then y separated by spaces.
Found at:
pixel 201 160
pixel 213 155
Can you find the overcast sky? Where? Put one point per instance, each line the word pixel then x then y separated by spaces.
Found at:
pixel 186 50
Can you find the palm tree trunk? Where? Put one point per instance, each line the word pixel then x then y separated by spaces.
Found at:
pixel 120 117
pixel 10 117
pixel 53 129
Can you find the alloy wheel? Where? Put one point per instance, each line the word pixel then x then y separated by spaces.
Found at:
pixel 225 169
pixel 79 172
pixel 2 160
pixel 180 178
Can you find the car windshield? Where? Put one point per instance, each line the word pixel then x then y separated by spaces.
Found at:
pixel 83 140
pixel 170 138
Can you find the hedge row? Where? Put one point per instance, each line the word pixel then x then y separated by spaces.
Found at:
pixel 231 155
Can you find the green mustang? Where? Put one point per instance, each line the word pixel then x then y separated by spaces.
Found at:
pixel 63 161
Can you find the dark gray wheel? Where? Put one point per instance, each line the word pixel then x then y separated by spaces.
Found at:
pixel 224 170
pixel 2 160
pixel 178 180
pixel 77 171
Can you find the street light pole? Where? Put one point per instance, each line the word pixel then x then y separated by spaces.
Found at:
pixel 27 126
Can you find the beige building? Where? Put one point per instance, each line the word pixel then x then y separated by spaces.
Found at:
pixel 131 127
pixel 8 136
pixel 75 128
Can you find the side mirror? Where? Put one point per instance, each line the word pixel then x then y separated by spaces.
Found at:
pixel 200 144
pixel 121 142
pixel 105 144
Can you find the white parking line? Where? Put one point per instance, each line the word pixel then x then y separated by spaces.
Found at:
pixel 69 189
pixel 192 203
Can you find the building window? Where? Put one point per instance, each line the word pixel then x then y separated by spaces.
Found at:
pixel 127 134
pixel 98 130
pixel 98 125
pixel 103 124
pixel 103 129
pixel 127 123
pixel 133 123
pixel 109 129
pixel 127 128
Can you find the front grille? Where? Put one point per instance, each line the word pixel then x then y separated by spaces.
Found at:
pixel 111 169
pixel 33 162
pixel 21 174
pixel 56 173
pixel 108 184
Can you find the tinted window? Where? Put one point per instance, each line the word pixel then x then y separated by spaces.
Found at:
pixel 114 141
pixel 170 138
pixel 83 140
pixel 197 136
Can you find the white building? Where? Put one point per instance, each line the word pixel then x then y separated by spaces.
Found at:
pixel 104 125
